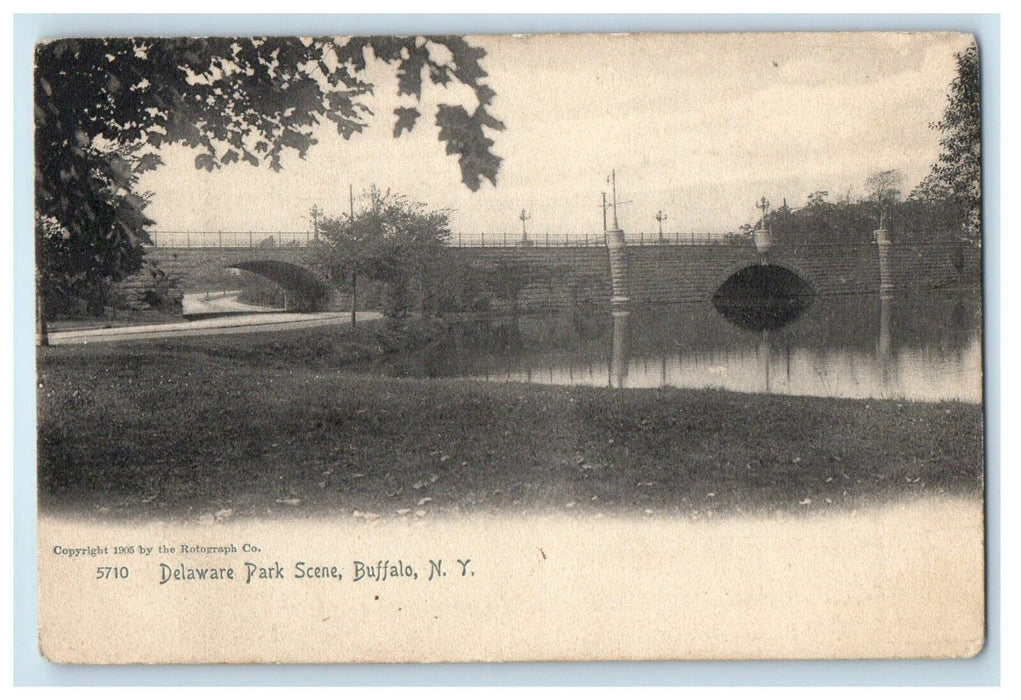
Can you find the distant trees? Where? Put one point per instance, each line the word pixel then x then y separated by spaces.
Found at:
pixel 391 240
pixel 824 221
pixel 946 204
pixel 853 220
pixel 104 108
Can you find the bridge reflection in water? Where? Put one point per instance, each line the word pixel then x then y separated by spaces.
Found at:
pixel 922 346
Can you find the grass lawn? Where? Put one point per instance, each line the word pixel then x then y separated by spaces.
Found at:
pixel 280 424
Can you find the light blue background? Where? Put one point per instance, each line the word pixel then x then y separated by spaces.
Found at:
pixel 31 669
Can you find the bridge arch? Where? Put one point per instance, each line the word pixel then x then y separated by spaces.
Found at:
pixel 763 296
pixel 778 267
pixel 303 291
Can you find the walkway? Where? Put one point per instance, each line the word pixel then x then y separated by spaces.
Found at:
pixel 241 323
pixel 200 303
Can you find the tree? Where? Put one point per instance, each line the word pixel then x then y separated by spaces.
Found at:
pixel 89 227
pixel 392 240
pixel 817 198
pixel 957 174
pixel 104 107
pixel 883 188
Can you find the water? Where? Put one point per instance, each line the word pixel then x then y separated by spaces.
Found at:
pixel 919 347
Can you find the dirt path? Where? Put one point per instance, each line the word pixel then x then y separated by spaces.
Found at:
pixel 219 302
pixel 241 323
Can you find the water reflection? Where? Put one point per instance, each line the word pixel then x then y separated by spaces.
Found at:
pixel 620 355
pixel 919 347
pixel 764 315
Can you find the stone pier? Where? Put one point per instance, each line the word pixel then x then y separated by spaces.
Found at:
pixel 618 267
pixel 885 273
pixel 763 244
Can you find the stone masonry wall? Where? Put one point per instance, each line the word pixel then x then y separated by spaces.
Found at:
pixel 578 277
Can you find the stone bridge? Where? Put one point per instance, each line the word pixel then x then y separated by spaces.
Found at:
pixel 573 276
pixel 685 273
pixel 206 269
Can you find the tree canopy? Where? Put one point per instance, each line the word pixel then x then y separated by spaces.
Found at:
pixel 958 171
pixel 955 181
pixel 392 240
pixel 104 107
pixel 883 188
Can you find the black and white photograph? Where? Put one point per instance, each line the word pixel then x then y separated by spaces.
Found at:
pixel 509 347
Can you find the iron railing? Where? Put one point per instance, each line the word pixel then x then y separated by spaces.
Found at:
pixel 231 239
pixel 302 239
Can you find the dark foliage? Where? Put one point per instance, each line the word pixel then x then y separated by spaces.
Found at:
pixel 957 175
pixel 853 222
pixel 104 107
pixel 392 240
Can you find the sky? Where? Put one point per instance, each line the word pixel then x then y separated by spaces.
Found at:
pixel 698 126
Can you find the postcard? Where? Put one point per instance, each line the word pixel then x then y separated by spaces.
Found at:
pixel 509 348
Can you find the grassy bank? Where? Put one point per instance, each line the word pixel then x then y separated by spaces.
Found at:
pixel 275 424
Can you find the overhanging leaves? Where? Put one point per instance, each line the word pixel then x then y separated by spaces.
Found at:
pixel 104 107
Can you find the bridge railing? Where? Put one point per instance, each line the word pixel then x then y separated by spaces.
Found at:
pixel 230 239
pixel 560 240
pixel 677 238
pixel 487 239
pixel 301 239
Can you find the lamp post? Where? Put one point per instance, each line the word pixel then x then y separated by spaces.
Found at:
pixel 661 217
pixel 524 216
